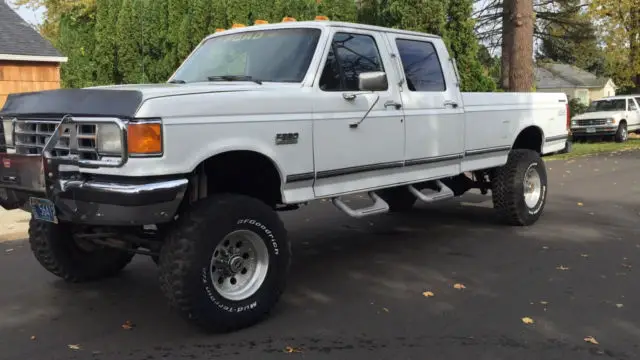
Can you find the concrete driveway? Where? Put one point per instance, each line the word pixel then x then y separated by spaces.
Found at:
pixel 356 288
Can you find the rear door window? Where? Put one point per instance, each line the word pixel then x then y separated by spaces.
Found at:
pixel 421 64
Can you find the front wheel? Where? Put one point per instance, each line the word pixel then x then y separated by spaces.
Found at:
pixel 622 134
pixel 519 188
pixel 225 264
pixel 60 250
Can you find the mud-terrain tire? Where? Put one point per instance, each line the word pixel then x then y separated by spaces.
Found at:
pixel 205 246
pixel 508 188
pixel 400 199
pixel 622 134
pixel 56 250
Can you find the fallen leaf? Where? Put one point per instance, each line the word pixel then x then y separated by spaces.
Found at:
pixel 580 204
pixel 428 294
pixel 591 339
pixel 74 346
pixel 562 267
pixel 459 286
pixel 545 248
pixel 619 306
pixel 626 265
pixel 584 255
pixel 544 302
pixel 385 309
pixel 8 251
pixel 33 337
pixel 527 320
pixel 128 325
pixel 290 350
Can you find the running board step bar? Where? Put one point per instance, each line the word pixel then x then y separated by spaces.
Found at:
pixel 444 193
pixel 379 207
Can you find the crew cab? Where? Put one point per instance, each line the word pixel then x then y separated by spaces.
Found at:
pixel 261 119
pixel 610 116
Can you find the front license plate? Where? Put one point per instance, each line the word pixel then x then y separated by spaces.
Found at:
pixel 591 130
pixel 43 209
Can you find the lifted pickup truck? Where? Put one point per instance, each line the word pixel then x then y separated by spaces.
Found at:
pixel 257 120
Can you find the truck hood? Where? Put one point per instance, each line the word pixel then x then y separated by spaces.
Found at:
pixel 598 115
pixel 120 101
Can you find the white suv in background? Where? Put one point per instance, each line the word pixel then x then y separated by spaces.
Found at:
pixel 615 115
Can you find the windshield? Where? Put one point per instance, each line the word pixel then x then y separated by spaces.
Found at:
pixel 279 55
pixel 608 105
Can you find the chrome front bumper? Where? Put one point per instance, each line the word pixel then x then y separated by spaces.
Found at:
pixel 84 198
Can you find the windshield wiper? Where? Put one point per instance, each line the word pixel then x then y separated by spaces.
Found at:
pixel 177 81
pixel 234 78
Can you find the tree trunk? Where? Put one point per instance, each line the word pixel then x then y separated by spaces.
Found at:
pixel 634 47
pixel 521 64
pixel 507 43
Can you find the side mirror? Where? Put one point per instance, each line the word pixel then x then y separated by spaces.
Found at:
pixel 373 81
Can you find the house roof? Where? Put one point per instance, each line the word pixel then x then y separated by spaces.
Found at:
pixel 21 42
pixel 554 75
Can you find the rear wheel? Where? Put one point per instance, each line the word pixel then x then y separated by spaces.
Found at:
pixel 60 250
pixel 519 188
pixel 225 263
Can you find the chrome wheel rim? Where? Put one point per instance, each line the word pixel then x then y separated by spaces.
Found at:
pixel 532 187
pixel 624 133
pixel 239 265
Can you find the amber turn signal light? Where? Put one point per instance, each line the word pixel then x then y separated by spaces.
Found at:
pixel 144 138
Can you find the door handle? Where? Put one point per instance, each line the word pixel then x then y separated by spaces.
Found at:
pixel 397 105
pixel 451 103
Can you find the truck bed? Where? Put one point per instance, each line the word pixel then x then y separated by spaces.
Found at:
pixel 494 119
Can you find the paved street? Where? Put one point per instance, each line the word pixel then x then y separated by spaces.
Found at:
pixel 356 289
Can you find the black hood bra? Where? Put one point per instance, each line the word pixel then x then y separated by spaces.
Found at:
pixel 76 102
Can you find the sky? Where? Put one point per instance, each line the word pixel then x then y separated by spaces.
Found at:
pixel 31 16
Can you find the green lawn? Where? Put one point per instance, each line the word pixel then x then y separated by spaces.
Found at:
pixel 597 147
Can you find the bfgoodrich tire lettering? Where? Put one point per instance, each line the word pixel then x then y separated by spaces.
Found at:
pixel 508 188
pixel 185 262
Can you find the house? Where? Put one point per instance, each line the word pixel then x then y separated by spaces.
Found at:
pixel 28 62
pixel 573 81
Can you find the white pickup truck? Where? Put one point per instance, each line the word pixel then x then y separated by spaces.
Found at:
pixel 614 116
pixel 257 120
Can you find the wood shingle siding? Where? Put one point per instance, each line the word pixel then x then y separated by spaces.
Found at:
pixel 16 77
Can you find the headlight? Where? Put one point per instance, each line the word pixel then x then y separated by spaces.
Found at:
pixel 108 139
pixel 611 121
pixel 573 123
pixel 7 126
